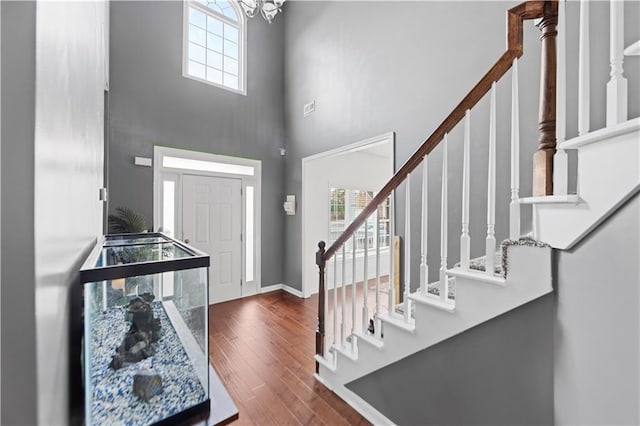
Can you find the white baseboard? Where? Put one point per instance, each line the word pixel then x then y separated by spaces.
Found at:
pixel 365 409
pixel 284 287
pixel 270 288
pixel 293 291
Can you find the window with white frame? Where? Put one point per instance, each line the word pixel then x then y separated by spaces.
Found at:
pixel 214 43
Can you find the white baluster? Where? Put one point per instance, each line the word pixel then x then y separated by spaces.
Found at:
pixel 584 101
pixel 465 239
pixel 392 266
pixel 444 285
pixel 353 296
pixel 343 325
pixel 490 252
pixel 377 311
pixel 335 300
pixel 514 206
pixel 617 85
pixel 561 159
pixel 407 250
pixel 424 242
pixel 365 280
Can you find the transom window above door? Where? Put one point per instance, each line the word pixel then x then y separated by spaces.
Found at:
pixel 214 46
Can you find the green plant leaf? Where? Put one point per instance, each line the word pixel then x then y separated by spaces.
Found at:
pixel 126 221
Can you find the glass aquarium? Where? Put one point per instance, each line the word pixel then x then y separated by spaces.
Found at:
pixel 145 330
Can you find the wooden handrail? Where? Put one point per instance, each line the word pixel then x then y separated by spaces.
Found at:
pixel 515 17
pixel 545 9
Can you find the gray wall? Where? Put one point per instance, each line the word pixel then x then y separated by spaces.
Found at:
pixel 51 170
pixel 151 103
pixel 403 66
pixel 597 331
pixel 18 279
pixel 68 157
pixel 499 373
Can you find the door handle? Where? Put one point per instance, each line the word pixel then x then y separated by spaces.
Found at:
pixel 186 241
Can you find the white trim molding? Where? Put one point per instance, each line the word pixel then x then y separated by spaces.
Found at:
pixel 308 288
pixel 365 409
pixel 175 174
pixel 241 25
pixel 281 286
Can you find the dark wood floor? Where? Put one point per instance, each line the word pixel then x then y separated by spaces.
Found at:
pixel 262 348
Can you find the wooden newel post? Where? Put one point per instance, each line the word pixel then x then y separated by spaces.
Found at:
pixel 543 158
pixel 320 261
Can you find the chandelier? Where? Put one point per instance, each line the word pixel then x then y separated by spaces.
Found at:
pixel 268 8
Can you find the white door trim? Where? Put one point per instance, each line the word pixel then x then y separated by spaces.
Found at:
pixel 249 287
pixel 357 146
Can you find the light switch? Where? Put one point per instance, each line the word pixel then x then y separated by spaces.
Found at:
pixel 289 206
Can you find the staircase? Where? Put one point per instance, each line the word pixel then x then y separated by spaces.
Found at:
pixel 358 335
pixel 478 298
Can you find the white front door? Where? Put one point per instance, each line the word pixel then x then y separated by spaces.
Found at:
pixel 211 222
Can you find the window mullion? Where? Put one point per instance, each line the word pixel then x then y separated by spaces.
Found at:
pixel 202 8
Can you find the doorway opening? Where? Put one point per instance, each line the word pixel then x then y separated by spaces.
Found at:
pixel 213 203
pixel 335 183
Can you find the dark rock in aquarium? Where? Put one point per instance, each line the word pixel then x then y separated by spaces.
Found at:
pixel 144 330
pixel 146 384
pixel 140 314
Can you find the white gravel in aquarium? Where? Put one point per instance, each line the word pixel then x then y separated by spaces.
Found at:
pixel 113 402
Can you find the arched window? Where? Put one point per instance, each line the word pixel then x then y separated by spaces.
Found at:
pixel 214 43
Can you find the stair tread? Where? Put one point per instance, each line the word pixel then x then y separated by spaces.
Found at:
pixel 603 135
pixel 479 263
pixel 345 351
pixel 477 275
pixel 372 340
pixel 398 322
pixel 430 300
pixel 552 199
pixel 434 288
pixel 399 310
